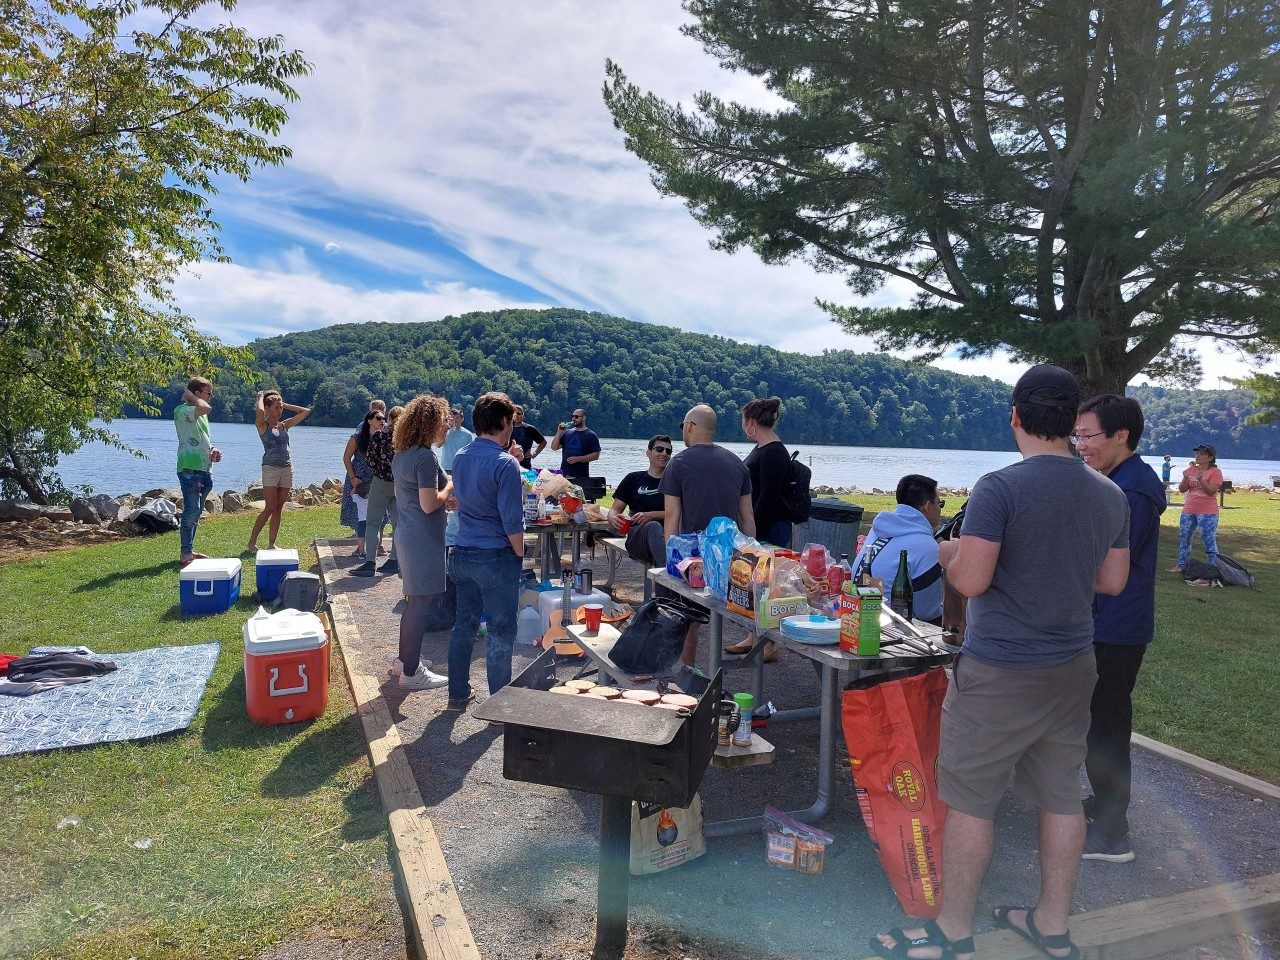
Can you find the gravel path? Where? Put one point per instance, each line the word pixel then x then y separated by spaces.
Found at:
pixel 524 856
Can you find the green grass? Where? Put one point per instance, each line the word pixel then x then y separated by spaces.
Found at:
pixel 257 832
pixel 1210 682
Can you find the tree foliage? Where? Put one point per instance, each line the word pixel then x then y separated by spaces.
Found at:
pixel 636 379
pixel 1079 182
pixel 116 119
pixel 1266 388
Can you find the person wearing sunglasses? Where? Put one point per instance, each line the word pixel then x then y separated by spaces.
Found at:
pixel 382 494
pixel 638 493
pixel 578 445
pixel 909 526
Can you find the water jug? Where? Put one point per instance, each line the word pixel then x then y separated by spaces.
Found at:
pixel 528 625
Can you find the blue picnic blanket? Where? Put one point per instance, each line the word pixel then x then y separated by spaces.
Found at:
pixel 154 691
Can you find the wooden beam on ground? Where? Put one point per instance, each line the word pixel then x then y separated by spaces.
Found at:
pixel 1241 781
pixel 1149 928
pixel 432 908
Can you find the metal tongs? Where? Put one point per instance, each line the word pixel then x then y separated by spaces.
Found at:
pixel 920 643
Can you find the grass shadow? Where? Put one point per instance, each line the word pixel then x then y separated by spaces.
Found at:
pixel 123 576
pixel 227 725
pixel 312 761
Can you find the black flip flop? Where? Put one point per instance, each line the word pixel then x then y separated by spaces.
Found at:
pixel 1042 942
pixel 933 937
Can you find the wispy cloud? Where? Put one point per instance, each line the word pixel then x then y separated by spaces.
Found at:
pixel 460 156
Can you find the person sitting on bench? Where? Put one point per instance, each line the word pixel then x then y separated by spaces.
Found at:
pixel 638 493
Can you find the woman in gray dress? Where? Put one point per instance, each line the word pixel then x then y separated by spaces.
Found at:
pixel 421 490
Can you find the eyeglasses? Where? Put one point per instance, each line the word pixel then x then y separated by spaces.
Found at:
pixel 942 504
pixel 661 449
pixel 1079 438
pixel 379 416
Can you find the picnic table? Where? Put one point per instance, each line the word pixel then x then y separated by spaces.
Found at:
pixel 828 661
pixel 548 545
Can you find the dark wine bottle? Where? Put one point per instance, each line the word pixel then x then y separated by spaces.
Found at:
pixel 902 598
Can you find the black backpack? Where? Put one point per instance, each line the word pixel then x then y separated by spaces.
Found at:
pixel 1199 570
pixel 797 498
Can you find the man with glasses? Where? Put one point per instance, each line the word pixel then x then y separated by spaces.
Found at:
pixel 195 458
pixel 909 526
pixel 578 446
pixel 1041 537
pixel 1108 429
pixel 638 492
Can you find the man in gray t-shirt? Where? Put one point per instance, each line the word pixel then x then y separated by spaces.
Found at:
pixel 701 482
pixel 1040 537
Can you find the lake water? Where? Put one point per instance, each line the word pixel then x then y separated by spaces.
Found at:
pixel 317 454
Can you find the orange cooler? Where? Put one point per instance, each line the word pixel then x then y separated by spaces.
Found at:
pixel 286 667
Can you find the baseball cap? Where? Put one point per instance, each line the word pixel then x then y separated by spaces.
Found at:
pixel 1207 448
pixel 1047 386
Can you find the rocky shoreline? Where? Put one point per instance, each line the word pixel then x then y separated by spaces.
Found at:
pixel 102 517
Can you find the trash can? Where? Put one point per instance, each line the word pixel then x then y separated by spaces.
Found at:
pixel 832 523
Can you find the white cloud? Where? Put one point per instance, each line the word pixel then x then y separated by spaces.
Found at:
pixel 240 303
pixel 484 121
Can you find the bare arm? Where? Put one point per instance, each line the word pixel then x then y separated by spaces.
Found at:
pixel 517 543
pixel 542 445
pixel 202 406
pixel 558 438
pixel 300 414
pixel 585 458
pixel 260 413
pixel 970 563
pixel 1114 572
pixel 671 522
pixel 347 456
pixel 431 499
pixel 746 516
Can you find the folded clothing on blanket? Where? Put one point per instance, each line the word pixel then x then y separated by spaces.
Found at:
pixel 57 666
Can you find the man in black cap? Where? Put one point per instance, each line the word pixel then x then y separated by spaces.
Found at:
pixel 1040 537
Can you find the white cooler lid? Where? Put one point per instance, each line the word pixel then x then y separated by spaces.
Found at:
pixel 211 568
pixel 282 632
pixel 276 558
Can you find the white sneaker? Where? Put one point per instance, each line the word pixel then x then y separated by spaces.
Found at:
pixel 424 679
pixel 397 667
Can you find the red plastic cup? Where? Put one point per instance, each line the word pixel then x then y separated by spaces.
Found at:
pixel 593 613
pixel 624 524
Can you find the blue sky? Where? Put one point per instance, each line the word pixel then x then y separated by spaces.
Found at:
pixel 453 156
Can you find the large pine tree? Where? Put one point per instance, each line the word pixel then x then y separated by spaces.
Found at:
pixel 1088 183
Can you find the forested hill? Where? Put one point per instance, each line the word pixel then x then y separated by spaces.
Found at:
pixel 637 379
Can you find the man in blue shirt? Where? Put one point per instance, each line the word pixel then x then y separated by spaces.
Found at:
pixel 488 548
pixel 1108 429
pixel 579 446
pixel 455 439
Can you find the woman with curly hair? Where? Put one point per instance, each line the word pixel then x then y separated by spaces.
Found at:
pixel 421 490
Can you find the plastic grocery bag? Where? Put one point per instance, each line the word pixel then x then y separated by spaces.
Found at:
pixel 680 547
pixel 665 837
pixel 892 728
pixel 717 543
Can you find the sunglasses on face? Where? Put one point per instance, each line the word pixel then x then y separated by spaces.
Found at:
pixel 379 417
pixel 661 449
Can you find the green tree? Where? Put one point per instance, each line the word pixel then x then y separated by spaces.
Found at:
pixel 1080 182
pixel 116 119
pixel 1266 390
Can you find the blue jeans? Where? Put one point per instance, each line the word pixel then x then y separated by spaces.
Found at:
pixel 1187 524
pixel 488 582
pixel 196 485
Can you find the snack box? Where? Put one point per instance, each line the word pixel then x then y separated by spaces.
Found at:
pixel 860 621
pixel 770 611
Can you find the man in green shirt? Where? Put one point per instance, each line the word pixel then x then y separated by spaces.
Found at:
pixel 195 457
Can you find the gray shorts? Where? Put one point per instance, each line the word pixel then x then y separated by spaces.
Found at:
pixel 1028 724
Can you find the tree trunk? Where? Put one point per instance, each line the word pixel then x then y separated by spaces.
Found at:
pixel 29 483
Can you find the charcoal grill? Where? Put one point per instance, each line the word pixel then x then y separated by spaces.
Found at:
pixel 620 752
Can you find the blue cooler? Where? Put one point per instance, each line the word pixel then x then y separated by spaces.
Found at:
pixel 209 586
pixel 270 568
